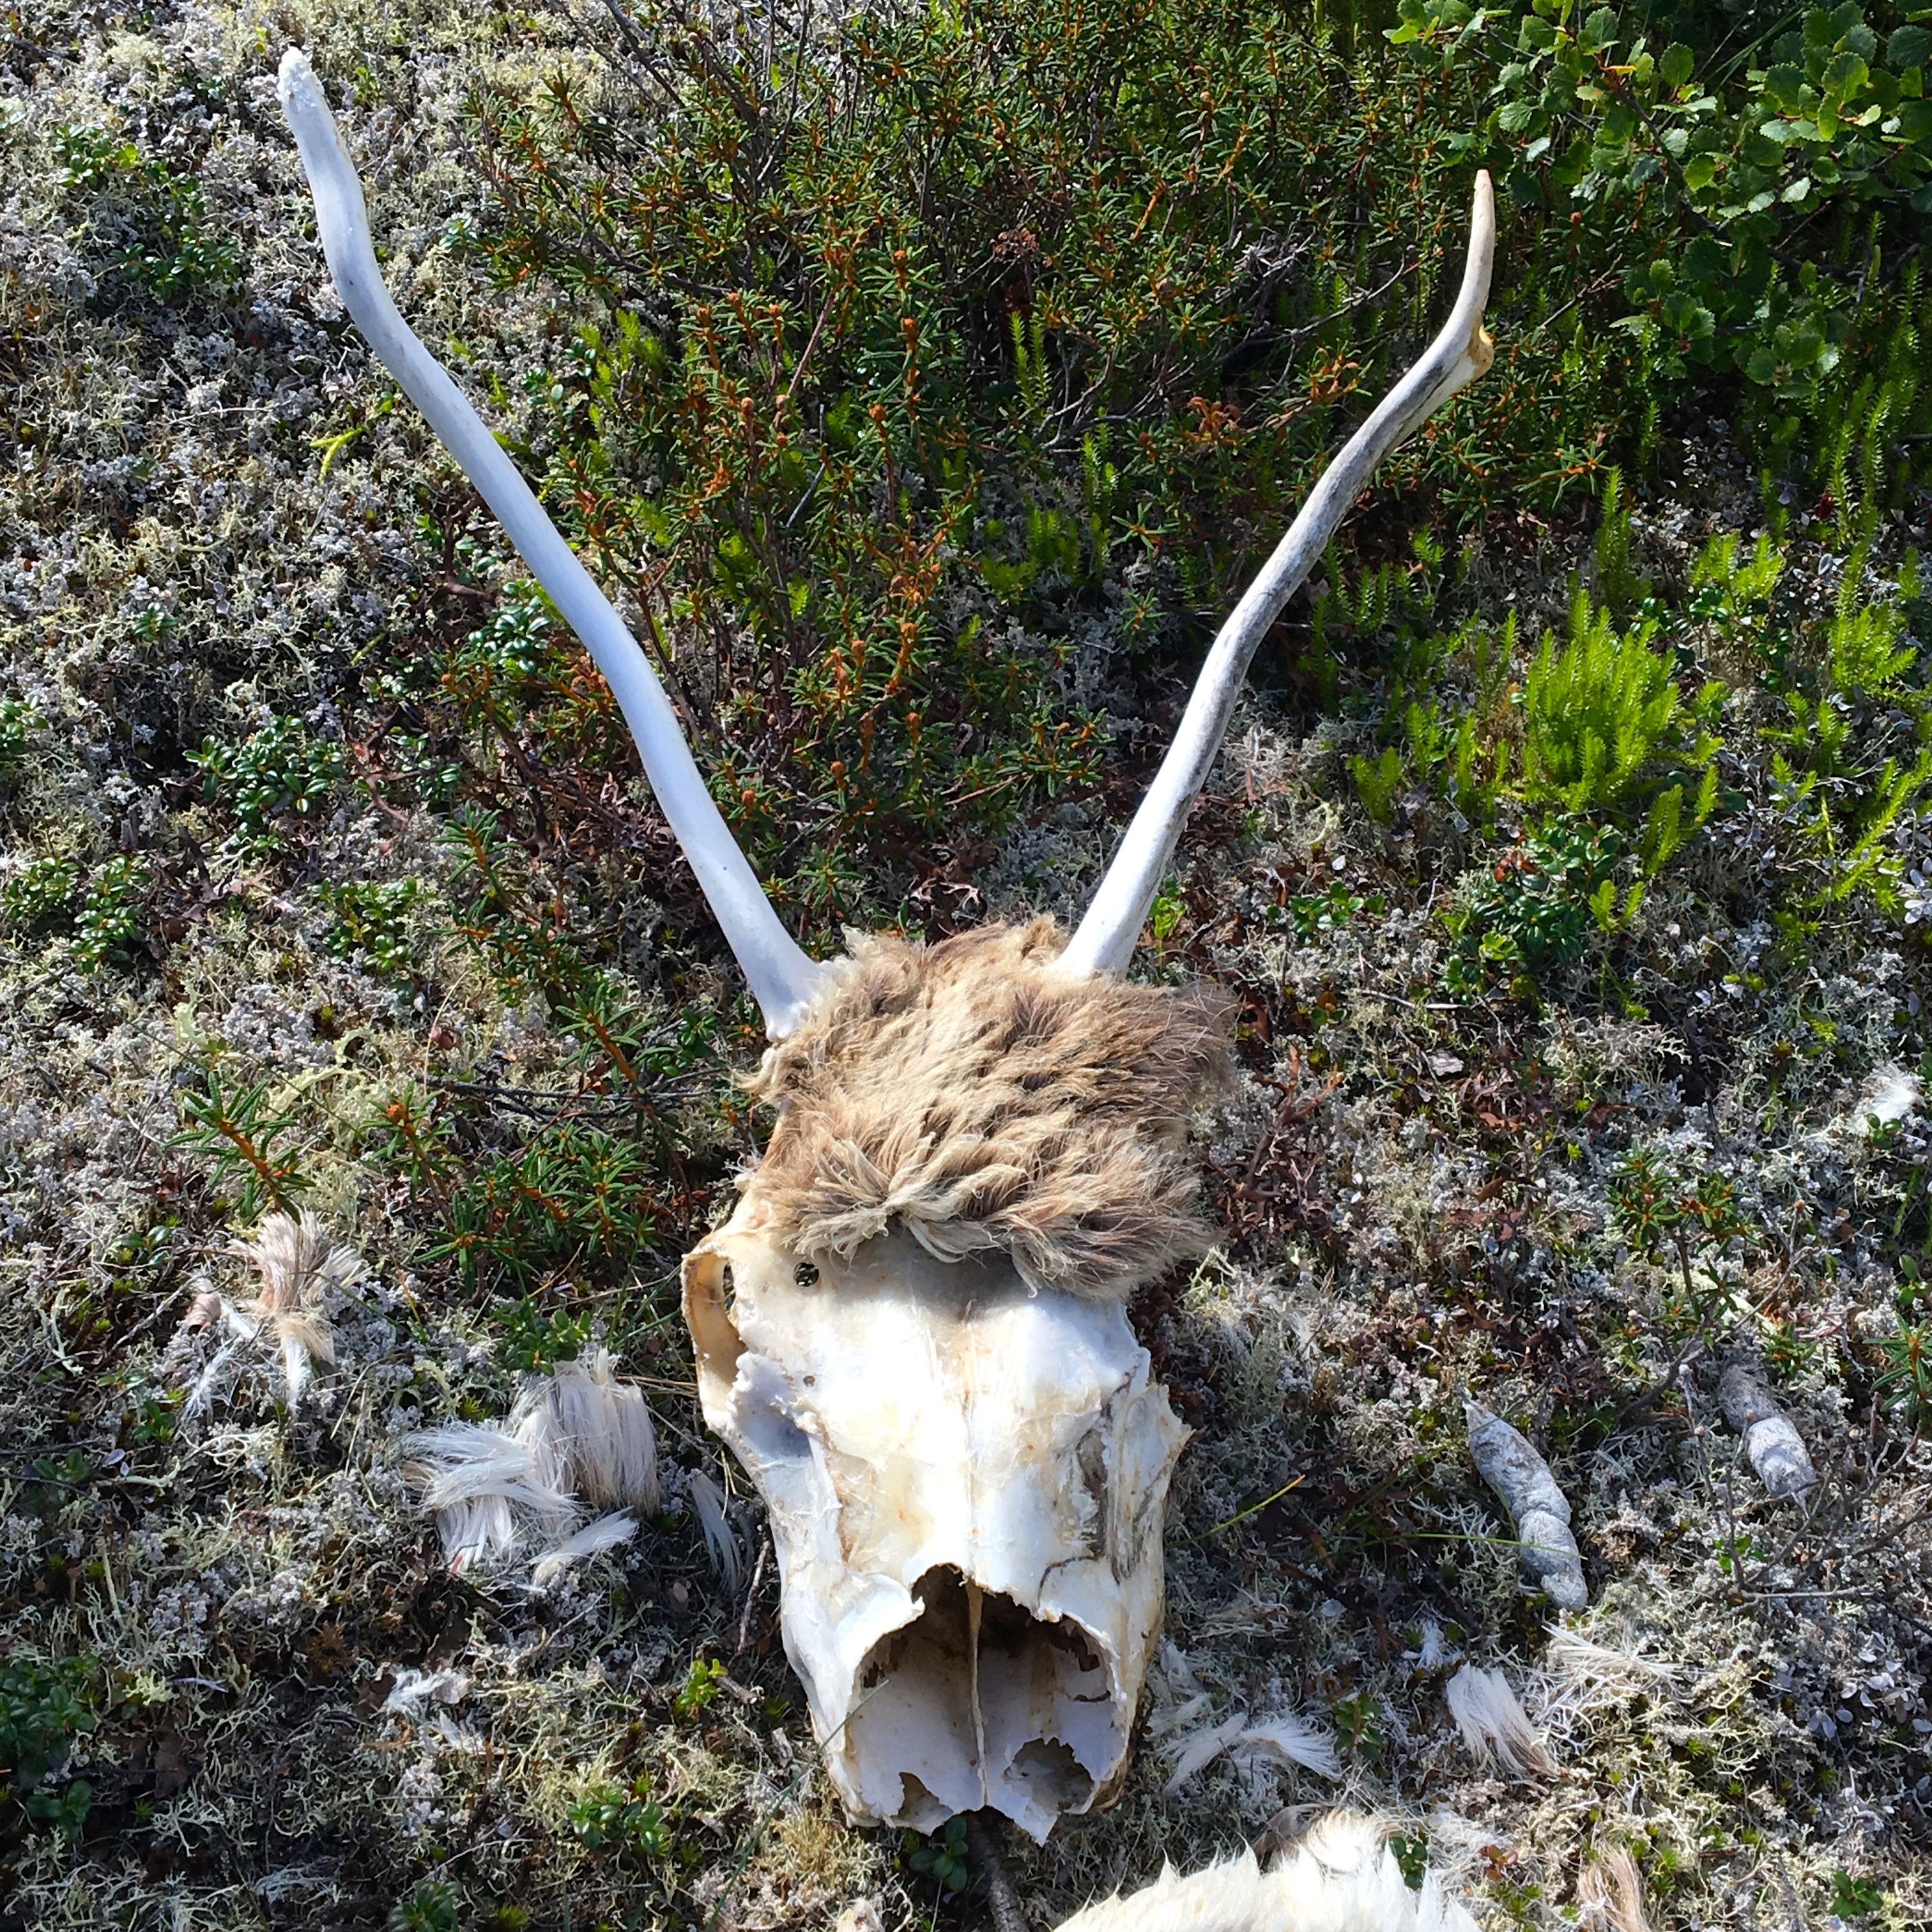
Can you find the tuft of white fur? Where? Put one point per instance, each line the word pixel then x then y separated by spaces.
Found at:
pixel 606 1533
pixel 1283 1737
pixel 412 1688
pixel 1340 1878
pixel 1890 1093
pixel 1609 1893
pixel 481 1483
pixel 1494 1725
pixel 298 1265
pixel 575 1432
pixel 598 1429
pixel 1591 1675
pixel 720 1539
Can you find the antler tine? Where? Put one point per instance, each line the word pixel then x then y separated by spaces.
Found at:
pixel 1461 351
pixel 782 978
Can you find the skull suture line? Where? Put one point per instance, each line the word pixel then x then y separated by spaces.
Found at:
pixel 912 1331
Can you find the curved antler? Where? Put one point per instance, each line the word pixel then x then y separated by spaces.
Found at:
pixel 783 979
pixel 1105 938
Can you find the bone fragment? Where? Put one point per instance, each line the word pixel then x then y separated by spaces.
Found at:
pixel 1775 1449
pixel 1537 1508
pixel 1493 1723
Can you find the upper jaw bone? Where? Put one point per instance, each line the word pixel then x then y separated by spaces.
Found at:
pixel 966 1481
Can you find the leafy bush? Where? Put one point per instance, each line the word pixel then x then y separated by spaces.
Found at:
pixel 1751 193
pixel 149 223
pixel 40 892
pixel 613 1820
pixel 281 772
pixel 370 919
pixel 109 919
pixel 44 1709
pixel 1529 913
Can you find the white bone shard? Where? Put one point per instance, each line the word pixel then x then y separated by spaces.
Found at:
pixel 966 1482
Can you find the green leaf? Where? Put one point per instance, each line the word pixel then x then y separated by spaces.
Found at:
pixel 1908 47
pixel 1600 31
pixel 1699 171
pixel 1798 190
pixel 1915 120
pixel 1676 63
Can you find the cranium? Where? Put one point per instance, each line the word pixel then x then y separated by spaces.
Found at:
pixel 912 1330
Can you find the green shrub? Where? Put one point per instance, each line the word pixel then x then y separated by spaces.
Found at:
pixel 44 1709
pixel 370 920
pixel 610 1819
pixel 18 717
pixel 1763 200
pixel 108 921
pixel 1528 914
pixel 41 893
pixel 280 773
pixel 148 223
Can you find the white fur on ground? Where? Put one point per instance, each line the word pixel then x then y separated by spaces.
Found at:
pixel 606 1533
pixel 1284 1737
pixel 576 1435
pixel 1341 1878
pixel 1494 1725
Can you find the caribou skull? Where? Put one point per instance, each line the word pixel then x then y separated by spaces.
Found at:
pixel 912 1331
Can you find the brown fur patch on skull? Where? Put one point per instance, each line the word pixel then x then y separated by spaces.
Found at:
pixel 962 1091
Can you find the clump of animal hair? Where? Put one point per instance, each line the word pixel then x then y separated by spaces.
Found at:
pixel 1494 1725
pixel 577 1434
pixel 962 1091
pixel 1340 1878
pixel 299 1265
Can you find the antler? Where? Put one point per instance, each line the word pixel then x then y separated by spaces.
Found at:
pixel 1461 351
pixel 783 979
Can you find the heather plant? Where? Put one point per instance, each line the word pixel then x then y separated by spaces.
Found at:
pixel 883 395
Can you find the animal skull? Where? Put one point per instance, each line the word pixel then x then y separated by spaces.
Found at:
pixel 912 1330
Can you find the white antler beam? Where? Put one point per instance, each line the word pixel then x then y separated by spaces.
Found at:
pixel 783 978
pixel 1461 351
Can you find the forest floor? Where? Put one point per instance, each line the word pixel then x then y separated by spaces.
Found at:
pixel 241 1686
